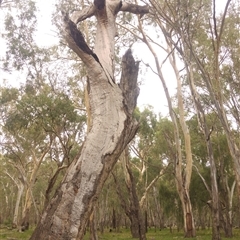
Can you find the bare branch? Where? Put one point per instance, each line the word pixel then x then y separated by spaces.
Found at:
pixel 214 19
pixel 133 8
pixel 129 30
pixel 151 184
pixel 85 13
pixel 223 19
pixel 11 177
pixel 203 180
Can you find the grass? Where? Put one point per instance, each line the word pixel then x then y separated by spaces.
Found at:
pixel 161 235
pixel 124 234
pixel 14 234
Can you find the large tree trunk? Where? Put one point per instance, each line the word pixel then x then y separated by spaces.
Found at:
pixel 183 180
pixel 26 210
pixel 112 125
pixel 183 192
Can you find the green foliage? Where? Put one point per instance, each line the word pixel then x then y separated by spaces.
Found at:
pixel 198 192
pixel 19 32
pixel 8 95
pixel 13 234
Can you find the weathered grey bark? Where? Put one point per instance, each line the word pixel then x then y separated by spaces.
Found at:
pixel 112 125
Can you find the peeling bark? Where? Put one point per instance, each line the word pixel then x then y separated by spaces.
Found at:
pixel 112 126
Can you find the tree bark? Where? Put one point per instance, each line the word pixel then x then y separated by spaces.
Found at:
pixel 207 135
pixel 132 206
pixel 185 180
pixel 136 214
pixel 29 199
pixel 182 175
pixel 92 226
pixel 20 186
pixel 113 126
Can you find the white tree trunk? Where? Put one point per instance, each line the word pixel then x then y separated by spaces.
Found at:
pixel 182 176
pixel 20 186
pixel 112 124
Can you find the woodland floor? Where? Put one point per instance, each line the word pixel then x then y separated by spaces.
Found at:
pixel 124 234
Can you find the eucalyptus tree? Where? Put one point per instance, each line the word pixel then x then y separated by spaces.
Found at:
pixel 39 118
pixel 224 170
pixel 143 166
pixel 148 153
pixel 226 178
pixel 22 144
pixel 183 161
pixel 112 125
pixel 207 50
pixel 37 127
pixel 196 31
pixel 8 188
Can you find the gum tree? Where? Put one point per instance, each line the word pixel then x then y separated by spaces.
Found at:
pixel 112 125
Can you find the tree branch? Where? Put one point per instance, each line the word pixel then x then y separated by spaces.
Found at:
pixel 85 13
pixel 223 20
pixel 214 19
pixel 77 42
pixel 133 8
pixel 203 180
pixel 151 184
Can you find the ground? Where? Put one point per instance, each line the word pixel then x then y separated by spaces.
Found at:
pixel 124 234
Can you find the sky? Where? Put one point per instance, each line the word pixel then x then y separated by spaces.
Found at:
pixel 151 90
